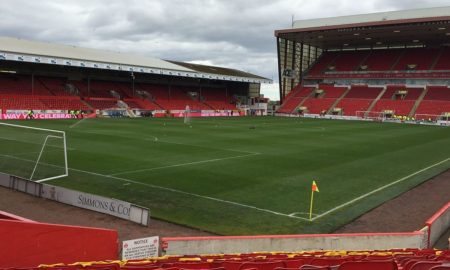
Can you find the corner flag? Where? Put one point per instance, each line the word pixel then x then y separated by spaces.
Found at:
pixel 314 188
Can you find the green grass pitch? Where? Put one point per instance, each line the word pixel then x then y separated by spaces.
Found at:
pixel 235 176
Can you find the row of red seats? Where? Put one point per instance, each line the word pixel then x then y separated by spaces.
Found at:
pixel 51 103
pixel 383 60
pixel 398 107
pixel 431 109
pixel 294 98
pixel 220 105
pixel 443 62
pixel 41 103
pixel 350 106
pixel 384 75
pixel 102 104
pixel 413 92
pixel 359 98
pixel 405 259
pixel 174 98
pixel 137 103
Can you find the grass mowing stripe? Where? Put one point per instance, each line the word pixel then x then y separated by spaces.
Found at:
pixel 190 194
pixel 182 164
pixel 379 189
pixel 167 189
pixel 156 139
pixel 349 159
pixel 77 123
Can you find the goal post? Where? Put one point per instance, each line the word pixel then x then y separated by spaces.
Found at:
pixel 187 115
pixel 428 117
pixel 36 154
pixel 371 115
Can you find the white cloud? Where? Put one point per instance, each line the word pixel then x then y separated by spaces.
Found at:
pixel 271 91
pixel 235 34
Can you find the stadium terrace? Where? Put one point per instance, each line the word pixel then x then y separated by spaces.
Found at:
pixel 384 66
pixel 53 78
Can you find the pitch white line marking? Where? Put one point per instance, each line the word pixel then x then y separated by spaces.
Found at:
pixel 36 152
pixel 191 194
pixel 379 189
pixel 171 190
pixel 77 123
pixel 207 147
pixel 245 205
pixel 156 139
pixel 182 164
pixel 300 213
pixel 153 138
pixel 33 142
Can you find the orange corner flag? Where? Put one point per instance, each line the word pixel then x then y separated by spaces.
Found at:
pixel 314 187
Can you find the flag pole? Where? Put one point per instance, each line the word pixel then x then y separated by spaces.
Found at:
pixel 311 205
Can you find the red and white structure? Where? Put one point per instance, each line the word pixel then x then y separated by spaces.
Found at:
pixel 390 63
pixel 54 78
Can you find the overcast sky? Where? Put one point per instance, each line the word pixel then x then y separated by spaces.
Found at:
pixel 235 34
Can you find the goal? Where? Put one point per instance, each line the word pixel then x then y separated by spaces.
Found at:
pixel 376 116
pixel 31 153
pixel 187 115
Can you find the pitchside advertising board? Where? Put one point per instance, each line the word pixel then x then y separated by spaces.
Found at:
pixel 97 203
pixel 38 114
pixel 109 206
pixel 140 248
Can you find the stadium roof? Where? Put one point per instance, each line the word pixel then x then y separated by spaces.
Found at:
pixel 428 26
pixel 216 70
pixel 48 53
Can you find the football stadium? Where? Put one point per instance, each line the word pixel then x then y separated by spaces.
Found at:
pixel 363 123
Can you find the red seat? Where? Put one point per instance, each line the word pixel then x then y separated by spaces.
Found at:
pixel 314 267
pixel 266 265
pixel 192 265
pixel 368 265
pixel 421 265
pixel 328 261
pixel 232 265
pixel 441 267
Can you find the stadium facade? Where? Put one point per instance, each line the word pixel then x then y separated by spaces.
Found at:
pixel 389 63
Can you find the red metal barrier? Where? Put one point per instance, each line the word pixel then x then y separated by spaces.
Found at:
pixel 28 244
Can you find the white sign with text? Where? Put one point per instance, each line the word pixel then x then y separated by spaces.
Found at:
pixel 140 248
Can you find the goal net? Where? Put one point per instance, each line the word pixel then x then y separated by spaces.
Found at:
pixel 187 115
pixel 430 117
pixel 32 153
pixel 378 116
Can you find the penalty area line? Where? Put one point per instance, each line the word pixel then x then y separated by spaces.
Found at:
pixel 379 189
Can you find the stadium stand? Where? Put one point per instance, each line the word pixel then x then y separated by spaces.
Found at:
pixel 418 59
pixel 293 101
pixel 54 85
pixel 349 61
pixel 99 80
pixel 49 94
pixel 16 102
pixel 442 63
pixel 381 59
pixel 407 76
pixel 102 103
